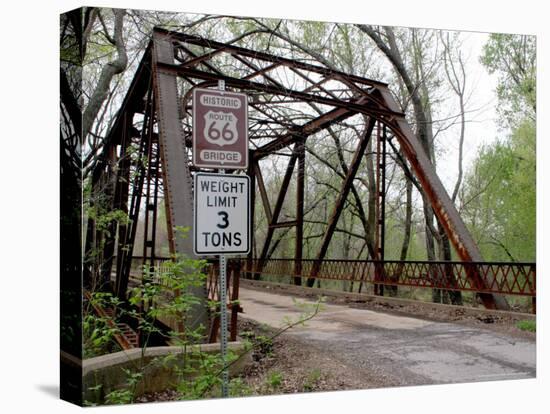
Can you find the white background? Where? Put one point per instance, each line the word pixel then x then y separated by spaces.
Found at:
pixel 30 205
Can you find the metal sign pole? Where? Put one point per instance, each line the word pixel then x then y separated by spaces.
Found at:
pixel 223 304
pixel 223 320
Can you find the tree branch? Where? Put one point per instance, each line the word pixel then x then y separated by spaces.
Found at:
pixel 109 71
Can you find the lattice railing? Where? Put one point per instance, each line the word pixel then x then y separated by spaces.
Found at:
pixel 484 277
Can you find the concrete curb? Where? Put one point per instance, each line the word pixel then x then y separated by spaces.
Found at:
pixel 108 371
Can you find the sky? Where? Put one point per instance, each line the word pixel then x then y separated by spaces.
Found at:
pixel 482 123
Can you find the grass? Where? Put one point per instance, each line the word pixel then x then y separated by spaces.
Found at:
pixel 275 380
pixel 527 325
pixel 312 379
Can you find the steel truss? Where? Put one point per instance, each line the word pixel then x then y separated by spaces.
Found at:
pixel 289 101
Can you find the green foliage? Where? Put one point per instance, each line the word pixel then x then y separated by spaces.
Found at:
pixel 513 57
pixel 99 332
pixel 527 325
pixel 238 388
pixel 122 396
pixel 157 299
pixel 198 373
pixel 180 276
pixel 307 309
pixel 274 380
pixel 312 379
pixel 103 219
pixel 99 51
pixel 196 381
pixel 125 395
pixel 499 199
pixel 262 345
pixel 265 344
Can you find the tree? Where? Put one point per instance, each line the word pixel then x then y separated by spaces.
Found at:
pixel 499 201
pixel 418 75
pixel 112 68
pixel 513 58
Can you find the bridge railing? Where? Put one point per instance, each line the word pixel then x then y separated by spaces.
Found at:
pixel 504 278
pixel 491 277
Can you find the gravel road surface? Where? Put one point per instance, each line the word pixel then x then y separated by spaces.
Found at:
pixel 399 350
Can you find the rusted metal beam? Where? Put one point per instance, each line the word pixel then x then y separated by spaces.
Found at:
pixel 442 204
pixel 278 205
pixel 263 192
pixel 121 198
pixel 370 98
pixel 315 84
pixel 234 268
pixel 310 128
pixel 129 235
pixel 279 121
pixel 199 59
pixel 258 70
pixel 251 172
pixel 151 199
pixel 262 71
pixel 133 99
pixel 178 186
pixel 339 205
pixel 284 187
pixel 279 85
pixel 120 337
pixel 127 231
pixel 283 224
pixel 276 88
pixel 367 109
pixel 196 40
pixel 274 82
pixel 380 205
pixel 132 102
pixel 300 179
pixel 234 306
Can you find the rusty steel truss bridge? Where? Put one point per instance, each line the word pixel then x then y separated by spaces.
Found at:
pixel 154 122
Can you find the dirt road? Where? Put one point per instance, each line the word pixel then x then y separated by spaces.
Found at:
pixel 402 350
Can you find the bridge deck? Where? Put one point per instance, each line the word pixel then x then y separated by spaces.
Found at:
pixel 407 350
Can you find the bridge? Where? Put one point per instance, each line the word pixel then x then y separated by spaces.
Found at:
pixel 153 124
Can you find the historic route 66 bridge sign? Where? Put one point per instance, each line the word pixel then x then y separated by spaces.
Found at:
pixel 220 129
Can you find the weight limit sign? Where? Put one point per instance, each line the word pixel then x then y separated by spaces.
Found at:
pixel 222 214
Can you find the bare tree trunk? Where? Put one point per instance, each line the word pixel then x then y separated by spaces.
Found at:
pixel 109 71
pixel 408 221
pixel 421 110
pixel 371 203
pixel 393 290
pixel 457 80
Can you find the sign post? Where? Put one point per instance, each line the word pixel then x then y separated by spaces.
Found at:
pixel 222 226
pixel 222 202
